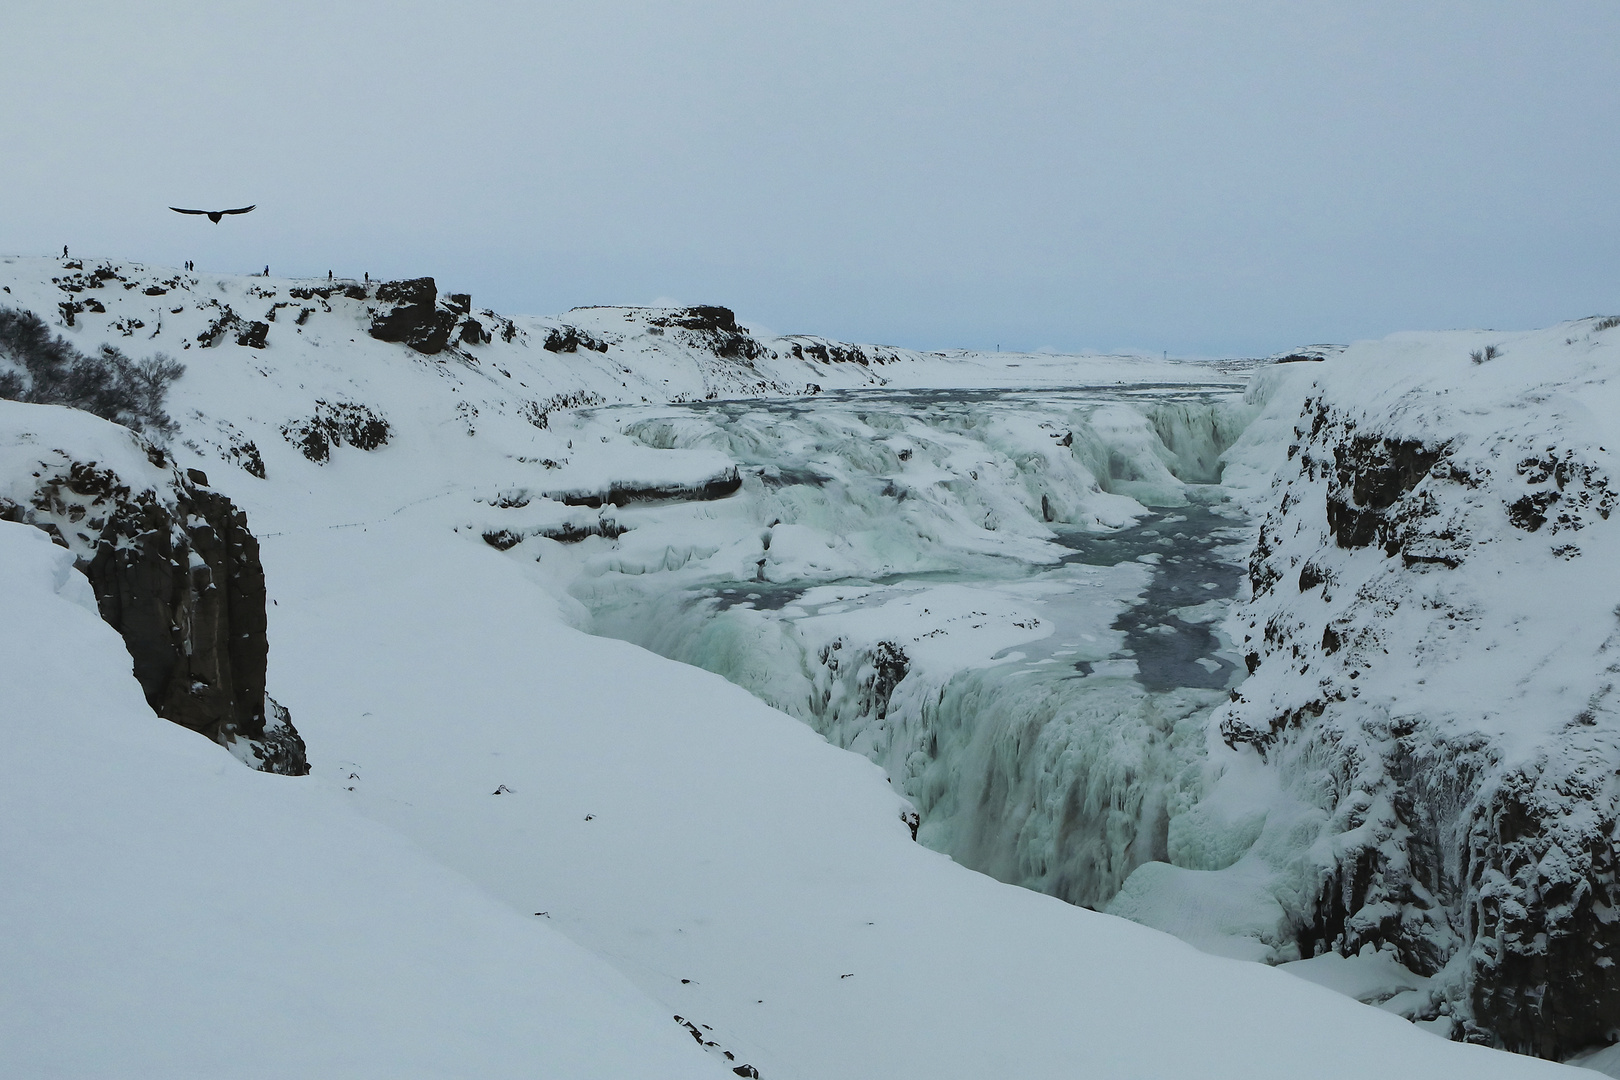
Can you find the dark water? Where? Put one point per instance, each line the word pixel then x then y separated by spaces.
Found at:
pixel 1191 551
pixel 1194 560
pixel 920 401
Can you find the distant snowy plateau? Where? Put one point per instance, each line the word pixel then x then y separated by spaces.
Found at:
pixel 425 692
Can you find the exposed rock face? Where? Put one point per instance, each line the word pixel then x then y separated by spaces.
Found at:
pixel 835 352
pixel 335 424
pixel 566 533
pixel 712 328
pixel 255 335
pixel 1416 568
pixel 408 312
pixel 625 493
pixel 176 572
pixel 567 339
pixel 226 322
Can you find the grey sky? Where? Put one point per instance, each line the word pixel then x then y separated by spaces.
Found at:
pixel 1199 177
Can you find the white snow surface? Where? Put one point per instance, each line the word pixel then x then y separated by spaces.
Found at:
pixel 171 913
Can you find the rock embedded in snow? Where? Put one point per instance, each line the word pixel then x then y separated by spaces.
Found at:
pixel 342 423
pixel 408 313
pixel 174 568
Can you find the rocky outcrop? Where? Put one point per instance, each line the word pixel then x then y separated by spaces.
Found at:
pixel 176 572
pixel 408 312
pixel 335 424
pixel 837 352
pixel 623 493
pixel 711 328
pixel 568 339
pixel 566 533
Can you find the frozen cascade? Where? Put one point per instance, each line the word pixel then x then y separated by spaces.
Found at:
pixel 1007 600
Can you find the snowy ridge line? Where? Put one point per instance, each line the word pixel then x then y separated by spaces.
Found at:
pixel 585 356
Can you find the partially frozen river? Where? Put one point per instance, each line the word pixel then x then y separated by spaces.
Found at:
pixel 1010 600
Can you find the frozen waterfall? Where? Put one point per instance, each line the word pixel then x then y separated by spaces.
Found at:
pixel 1009 600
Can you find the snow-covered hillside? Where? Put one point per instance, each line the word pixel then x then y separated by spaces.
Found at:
pixel 171 913
pixel 1424 759
pixel 484 774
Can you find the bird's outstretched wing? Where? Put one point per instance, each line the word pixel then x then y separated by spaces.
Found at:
pixel 177 210
pixel 241 210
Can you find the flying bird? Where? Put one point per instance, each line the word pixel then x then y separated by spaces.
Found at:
pixel 214 215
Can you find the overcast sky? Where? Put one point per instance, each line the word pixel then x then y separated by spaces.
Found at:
pixel 1202 177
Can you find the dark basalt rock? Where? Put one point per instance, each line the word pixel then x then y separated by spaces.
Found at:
pixel 833 352
pixel 334 424
pixel 408 313
pixel 216 330
pixel 177 573
pixel 1371 474
pixel 254 335
pixel 710 327
pixel 623 494
pixel 567 339
pixel 567 533
pixel 707 317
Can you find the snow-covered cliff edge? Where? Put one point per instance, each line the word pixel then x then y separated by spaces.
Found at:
pixel 1426 756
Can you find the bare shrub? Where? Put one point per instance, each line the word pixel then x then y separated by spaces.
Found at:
pixel 43 368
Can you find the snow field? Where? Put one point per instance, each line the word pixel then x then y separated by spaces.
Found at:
pixel 171 913
pixel 674 824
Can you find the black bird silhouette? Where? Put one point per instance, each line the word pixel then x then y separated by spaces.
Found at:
pixel 214 215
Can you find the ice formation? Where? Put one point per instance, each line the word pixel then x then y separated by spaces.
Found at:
pixel 934 580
